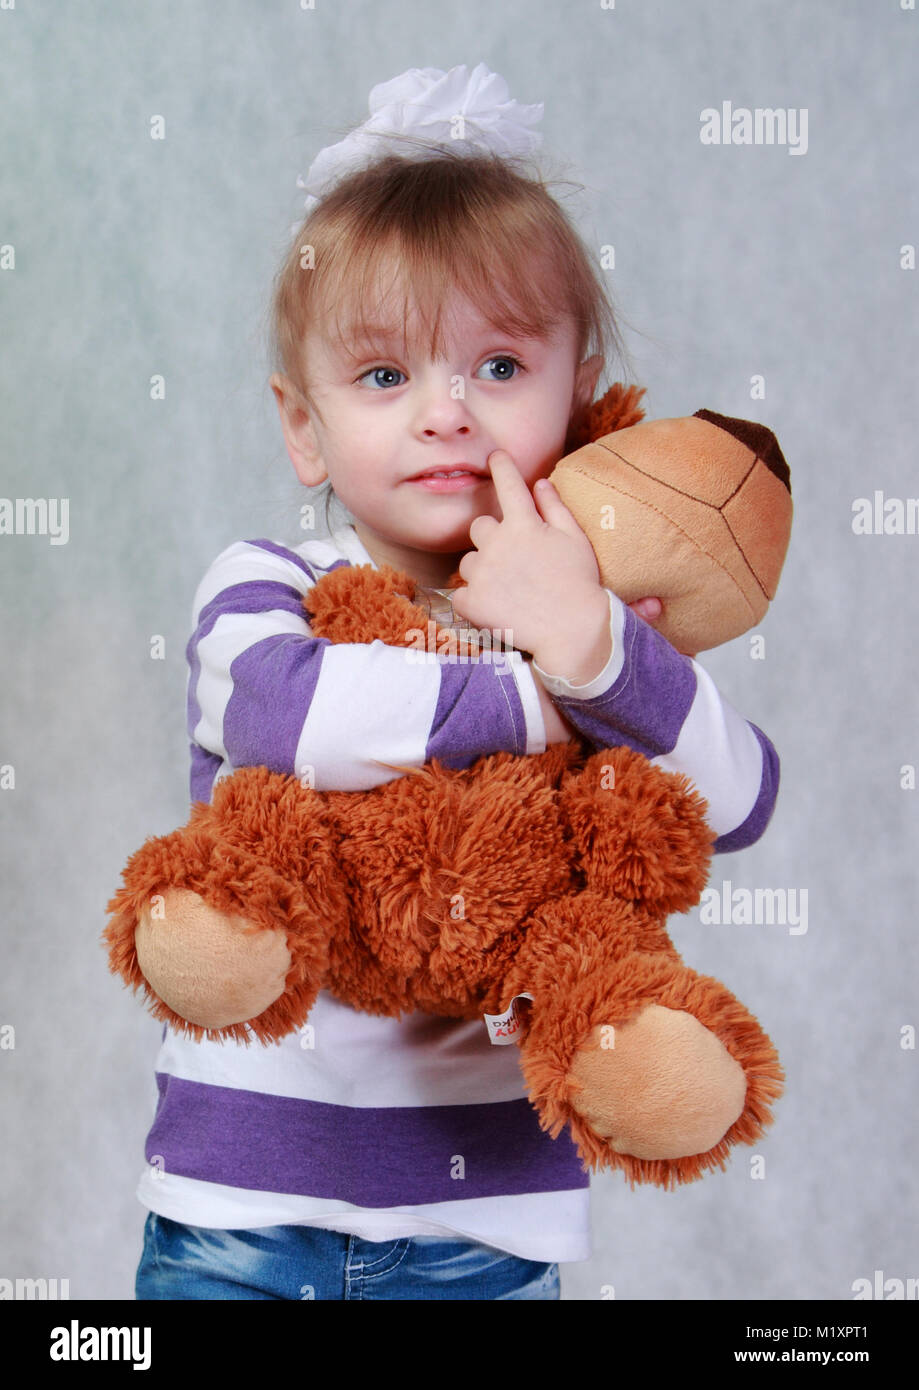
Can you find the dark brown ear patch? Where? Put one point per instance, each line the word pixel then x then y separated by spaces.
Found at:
pixel 757 437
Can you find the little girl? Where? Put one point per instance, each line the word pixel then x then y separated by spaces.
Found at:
pixel 438 327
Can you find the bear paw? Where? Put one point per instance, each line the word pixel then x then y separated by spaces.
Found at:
pixel 211 968
pixel 661 1086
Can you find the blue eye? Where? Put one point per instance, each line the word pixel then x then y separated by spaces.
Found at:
pixel 377 372
pixel 505 359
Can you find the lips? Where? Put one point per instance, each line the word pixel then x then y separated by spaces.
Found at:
pixel 446 470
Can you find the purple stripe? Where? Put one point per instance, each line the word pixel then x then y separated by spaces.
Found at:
pixel 273 686
pixel 756 822
pixel 389 1157
pixel 250 596
pixel 463 731
pixel 312 571
pixel 274 549
pixel 646 706
pixel 254 596
pixel 204 768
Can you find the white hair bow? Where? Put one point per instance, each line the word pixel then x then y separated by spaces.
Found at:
pixel 424 107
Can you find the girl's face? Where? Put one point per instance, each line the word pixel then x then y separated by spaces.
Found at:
pixel 383 420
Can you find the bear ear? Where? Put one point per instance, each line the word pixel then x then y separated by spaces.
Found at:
pixel 617 409
pixel 640 832
pixel 359 603
pixel 759 439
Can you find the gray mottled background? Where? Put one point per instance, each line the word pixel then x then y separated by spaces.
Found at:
pixel 135 257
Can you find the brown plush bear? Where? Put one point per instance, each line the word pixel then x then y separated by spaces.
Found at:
pixel 532 889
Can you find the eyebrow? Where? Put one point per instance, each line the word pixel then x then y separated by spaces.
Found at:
pixel 374 340
pixel 356 333
pixel 373 330
pixel 381 335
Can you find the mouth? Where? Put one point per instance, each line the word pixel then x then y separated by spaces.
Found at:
pixel 450 470
pixel 450 479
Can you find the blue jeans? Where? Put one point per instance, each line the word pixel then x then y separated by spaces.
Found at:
pixel 306 1262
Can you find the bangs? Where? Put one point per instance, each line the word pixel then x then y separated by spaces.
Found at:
pixel 393 244
pixel 395 292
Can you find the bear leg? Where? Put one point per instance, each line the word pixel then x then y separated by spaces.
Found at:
pixel 225 924
pixel 655 1069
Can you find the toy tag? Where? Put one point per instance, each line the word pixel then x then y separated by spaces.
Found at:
pixel 503 1028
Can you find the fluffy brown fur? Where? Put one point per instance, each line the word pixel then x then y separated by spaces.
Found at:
pixel 453 891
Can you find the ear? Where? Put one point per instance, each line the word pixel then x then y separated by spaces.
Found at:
pixel 585 381
pixel 299 434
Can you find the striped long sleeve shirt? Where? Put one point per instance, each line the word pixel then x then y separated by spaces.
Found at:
pixel 392 1127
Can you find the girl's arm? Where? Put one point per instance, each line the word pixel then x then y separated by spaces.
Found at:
pixel 666 706
pixel 263 691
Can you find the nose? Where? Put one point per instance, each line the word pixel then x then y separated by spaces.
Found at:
pixel 442 408
pixel 431 432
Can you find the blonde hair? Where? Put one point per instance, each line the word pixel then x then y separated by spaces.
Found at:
pixel 477 223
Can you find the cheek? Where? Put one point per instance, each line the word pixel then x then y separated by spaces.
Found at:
pixel 551 410
pixel 357 456
pixel 534 429
pixel 543 437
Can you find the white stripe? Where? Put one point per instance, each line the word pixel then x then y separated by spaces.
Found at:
pixel 532 709
pixel 324 553
pixel 720 752
pixel 358 688
pixel 241 563
pixel 535 1225
pixel 359 1060
pixel 373 688
pixel 231 635
pixel 350 546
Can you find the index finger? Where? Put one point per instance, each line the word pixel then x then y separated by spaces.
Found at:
pixel 513 494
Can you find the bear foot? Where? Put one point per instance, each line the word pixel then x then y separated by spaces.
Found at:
pixel 680 1074
pixel 660 1086
pixel 210 968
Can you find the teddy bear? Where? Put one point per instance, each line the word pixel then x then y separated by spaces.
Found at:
pixel 532 891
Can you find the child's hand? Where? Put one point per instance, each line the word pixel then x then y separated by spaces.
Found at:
pixel 648 608
pixel 528 568
pixel 535 572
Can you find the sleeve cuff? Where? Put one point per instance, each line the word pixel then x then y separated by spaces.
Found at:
pixel 562 688
pixel 532 710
